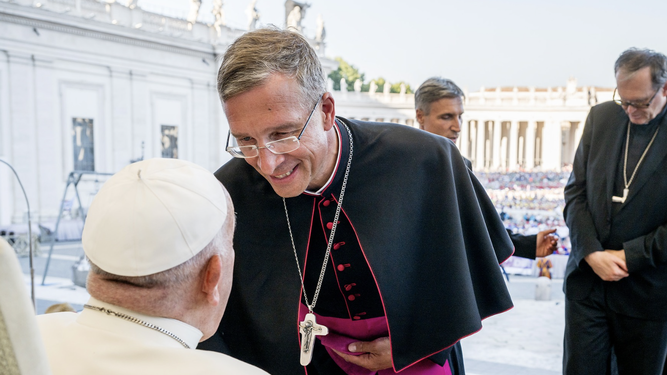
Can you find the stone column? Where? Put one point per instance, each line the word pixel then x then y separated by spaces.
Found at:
pixel 49 169
pixel 22 154
pixel 551 145
pixel 200 129
pixel 530 144
pixel 481 144
pixel 497 132
pixel 141 130
pixel 464 137
pixel 513 145
pixel 121 120
pixel 6 181
pixel 578 134
pixel 473 140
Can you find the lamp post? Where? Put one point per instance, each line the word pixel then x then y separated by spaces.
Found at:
pixel 32 269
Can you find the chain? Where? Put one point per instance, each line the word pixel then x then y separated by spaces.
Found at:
pixel 137 321
pixel 625 162
pixel 331 236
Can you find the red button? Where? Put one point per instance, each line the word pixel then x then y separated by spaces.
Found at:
pixel 356 317
pixel 341 267
pixel 326 203
pixel 351 297
pixel 329 225
pixel 337 246
pixel 348 287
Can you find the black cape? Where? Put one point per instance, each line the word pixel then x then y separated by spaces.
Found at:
pixel 418 212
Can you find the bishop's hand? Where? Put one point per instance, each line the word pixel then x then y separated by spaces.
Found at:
pixel 608 264
pixel 546 243
pixel 376 354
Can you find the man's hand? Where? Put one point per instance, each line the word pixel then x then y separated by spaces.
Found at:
pixel 546 243
pixel 376 357
pixel 609 265
pixel 618 253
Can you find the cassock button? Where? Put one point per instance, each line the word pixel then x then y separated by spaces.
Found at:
pixel 330 225
pixel 356 317
pixel 326 203
pixel 341 267
pixel 351 297
pixel 337 245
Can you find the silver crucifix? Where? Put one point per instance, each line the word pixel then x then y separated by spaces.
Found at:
pixel 309 329
pixel 621 200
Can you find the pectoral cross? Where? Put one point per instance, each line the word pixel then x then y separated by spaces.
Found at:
pixel 309 329
pixel 620 199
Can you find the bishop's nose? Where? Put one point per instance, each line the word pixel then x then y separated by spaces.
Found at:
pixel 267 161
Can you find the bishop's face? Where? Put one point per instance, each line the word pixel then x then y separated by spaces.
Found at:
pixel 274 111
pixel 637 88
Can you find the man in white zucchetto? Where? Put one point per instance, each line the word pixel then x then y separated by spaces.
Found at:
pixel 159 239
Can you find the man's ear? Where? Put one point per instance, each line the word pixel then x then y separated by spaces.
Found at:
pixel 328 110
pixel 420 118
pixel 212 275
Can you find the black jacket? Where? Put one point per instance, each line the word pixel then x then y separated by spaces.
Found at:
pixel 639 227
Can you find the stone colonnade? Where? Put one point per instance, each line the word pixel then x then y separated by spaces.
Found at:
pixel 512 145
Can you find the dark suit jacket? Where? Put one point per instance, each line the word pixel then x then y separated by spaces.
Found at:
pixel 639 227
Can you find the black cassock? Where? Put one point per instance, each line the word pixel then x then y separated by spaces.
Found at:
pixel 419 220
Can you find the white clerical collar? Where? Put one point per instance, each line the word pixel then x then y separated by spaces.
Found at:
pixel 333 172
pixel 189 334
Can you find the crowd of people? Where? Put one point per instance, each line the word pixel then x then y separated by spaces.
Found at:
pixel 529 202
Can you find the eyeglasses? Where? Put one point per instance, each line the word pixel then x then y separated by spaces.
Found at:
pixel 277 147
pixel 625 104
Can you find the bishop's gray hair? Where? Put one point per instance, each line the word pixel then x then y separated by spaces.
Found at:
pixel 434 89
pixel 254 56
pixel 634 59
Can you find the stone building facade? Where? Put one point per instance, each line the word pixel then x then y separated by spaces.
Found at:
pixel 504 129
pixel 93 85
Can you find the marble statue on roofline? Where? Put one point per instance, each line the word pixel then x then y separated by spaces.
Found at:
pixel 357 85
pixel 219 15
pixel 194 10
pixel 321 31
pixel 253 15
pixel 343 85
pixel 373 88
pixel 294 13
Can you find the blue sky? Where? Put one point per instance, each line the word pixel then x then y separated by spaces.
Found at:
pixel 476 42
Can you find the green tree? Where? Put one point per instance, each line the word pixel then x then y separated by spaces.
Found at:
pixel 351 74
pixel 347 71
pixel 380 83
pixel 396 87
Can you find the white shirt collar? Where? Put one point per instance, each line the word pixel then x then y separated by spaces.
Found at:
pixel 189 334
pixel 333 172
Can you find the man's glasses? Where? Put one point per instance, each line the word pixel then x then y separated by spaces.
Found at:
pixel 625 104
pixel 280 146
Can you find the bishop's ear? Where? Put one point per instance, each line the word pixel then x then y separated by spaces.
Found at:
pixel 211 282
pixel 420 118
pixel 328 105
